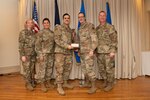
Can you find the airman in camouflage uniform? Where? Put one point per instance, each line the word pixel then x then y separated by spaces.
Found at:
pixel 107 47
pixel 27 52
pixel 88 43
pixel 63 54
pixel 44 47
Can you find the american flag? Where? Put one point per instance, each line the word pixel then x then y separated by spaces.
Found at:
pixel 35 18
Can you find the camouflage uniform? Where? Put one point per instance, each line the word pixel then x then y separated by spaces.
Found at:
pixel 88 42
pixel 44 47
pixel 26 48
pixel 63 56
pixel 107 43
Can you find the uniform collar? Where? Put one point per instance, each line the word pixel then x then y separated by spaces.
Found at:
pixel 29 31
pixel 103 25
pixel 66 26
pixel 83 24
pixel 46 29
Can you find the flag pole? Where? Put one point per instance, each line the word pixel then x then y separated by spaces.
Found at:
pixel 34 69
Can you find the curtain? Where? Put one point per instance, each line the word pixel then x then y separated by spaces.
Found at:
pixel 127 17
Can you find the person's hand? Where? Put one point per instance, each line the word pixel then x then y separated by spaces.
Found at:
pixel 23 58
pixel 112 55
pixel 70 47
pixel 76 50
pixel 79 54
pixel 91 53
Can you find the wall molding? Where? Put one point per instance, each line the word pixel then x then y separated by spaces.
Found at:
pixel 9 69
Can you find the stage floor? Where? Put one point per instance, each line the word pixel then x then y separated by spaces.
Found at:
pixel 12 88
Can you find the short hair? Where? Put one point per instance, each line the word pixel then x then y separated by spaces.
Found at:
pixel 81 13
pixel 25 24
pixel 65 15
pixel 102 12
pixel 46 19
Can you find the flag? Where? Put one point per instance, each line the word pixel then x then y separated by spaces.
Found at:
pixel 82 9
pixel 108 17
pixel 57 20
pixel 35 18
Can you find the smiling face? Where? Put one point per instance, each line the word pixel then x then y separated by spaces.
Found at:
pixel 81 18
pixel 102 17
pixel 29 24
pixel 46 24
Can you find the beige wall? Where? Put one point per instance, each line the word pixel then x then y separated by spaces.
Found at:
pixel 9 33
pixel 147 3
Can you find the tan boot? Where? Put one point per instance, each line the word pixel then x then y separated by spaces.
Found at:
pixel 29 86
pixel 67 85
pixel 93 88
pixel 60 90
pixel 103 85
pixel 50 85
pixel 43 87
pixel 109 87
pixel 87 82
